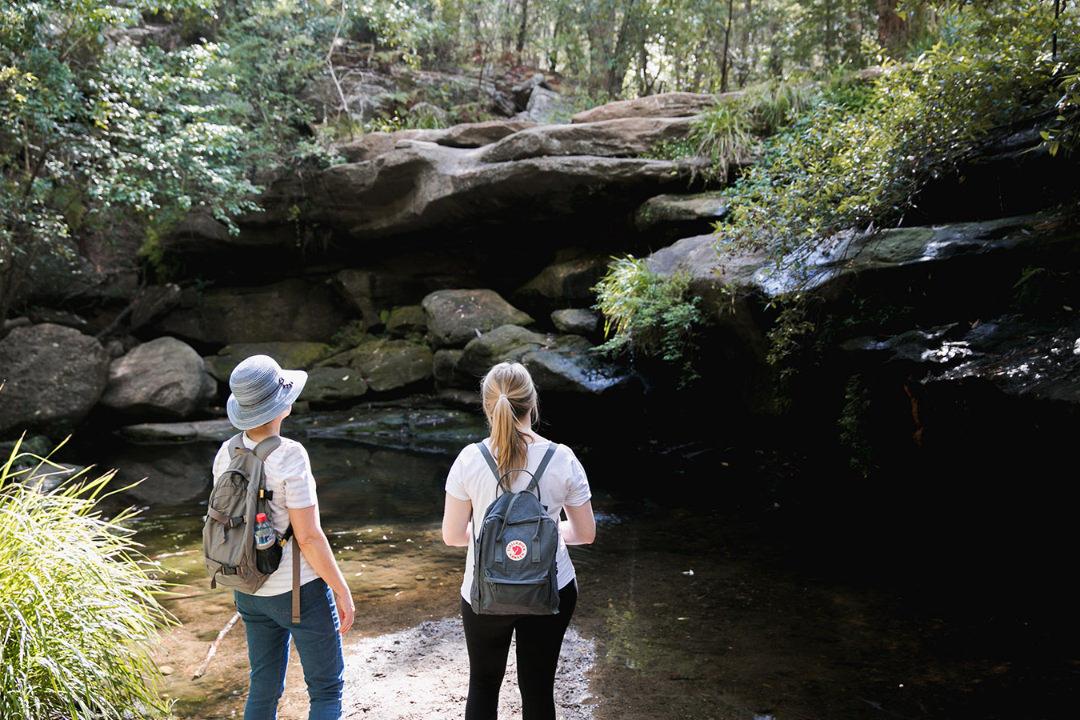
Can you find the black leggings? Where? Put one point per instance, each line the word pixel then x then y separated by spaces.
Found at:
pixel 539 639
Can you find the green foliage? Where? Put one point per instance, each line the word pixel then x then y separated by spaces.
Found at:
pixel 727 135
pixel 1064 132
pixel 852 423
pixel 790 336
pixel 77 601
pixel 858 157
pixel 93 137
pixel 724 137
pixel 649 314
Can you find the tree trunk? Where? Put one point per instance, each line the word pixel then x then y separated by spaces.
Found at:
pixel 521 28
pixel 727 47
pixel 830 29
pixel 744 49
pixel 600 21
pixel 891 28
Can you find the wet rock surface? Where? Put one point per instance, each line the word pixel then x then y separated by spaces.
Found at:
pixel 1018 356
pixel 411 425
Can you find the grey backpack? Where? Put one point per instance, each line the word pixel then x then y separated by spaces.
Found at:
pixel 515 571
pixel 238 495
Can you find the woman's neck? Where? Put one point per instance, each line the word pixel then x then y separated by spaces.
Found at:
pixel 264 431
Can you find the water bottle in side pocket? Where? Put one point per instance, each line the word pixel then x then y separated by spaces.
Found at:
pixel 267 550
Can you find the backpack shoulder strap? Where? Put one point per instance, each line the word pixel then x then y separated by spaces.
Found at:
pixel 236 444
pixel 266 446
pixel 534 484
pixel 490 461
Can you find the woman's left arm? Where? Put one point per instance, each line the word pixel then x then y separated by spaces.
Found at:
pixel 455 524
pixel 580 526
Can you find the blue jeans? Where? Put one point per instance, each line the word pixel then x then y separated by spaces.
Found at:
pixel 269 626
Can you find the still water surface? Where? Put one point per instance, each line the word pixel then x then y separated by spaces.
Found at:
pixel 690 595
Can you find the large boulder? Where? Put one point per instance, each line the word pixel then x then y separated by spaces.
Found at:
pixel 670 216
pixel 52 377
pixel 508 343
pixel 568 281
pixel 164 379
pixel 624 137
pixel 406 320
pixel 375 144
pixel 673 104
pixel 329 385
pixel 422 186
pixel 454 317
pixel 575 321
pixel 444 367
pixel 291 309
pixel 478 134
pixel 545 106
pixel 297 355
pixel 386 364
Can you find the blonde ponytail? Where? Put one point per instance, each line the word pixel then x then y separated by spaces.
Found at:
pixel 509 396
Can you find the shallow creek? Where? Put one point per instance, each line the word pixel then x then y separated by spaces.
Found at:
pixel 687 610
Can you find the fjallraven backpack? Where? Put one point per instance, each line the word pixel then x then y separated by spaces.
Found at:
pixel 515 570
pixel 238 495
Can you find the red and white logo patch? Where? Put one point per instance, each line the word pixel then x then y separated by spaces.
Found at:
pixel 516 550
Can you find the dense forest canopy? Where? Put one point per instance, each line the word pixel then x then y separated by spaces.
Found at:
pixel 119 117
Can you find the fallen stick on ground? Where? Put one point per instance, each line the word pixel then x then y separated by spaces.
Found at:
pixel 213 647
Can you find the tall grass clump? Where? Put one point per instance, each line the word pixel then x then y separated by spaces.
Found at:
pixel 77 601
pixel 728 135
pixel 648 314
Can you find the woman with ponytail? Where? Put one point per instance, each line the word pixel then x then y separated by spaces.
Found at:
pixel 510 404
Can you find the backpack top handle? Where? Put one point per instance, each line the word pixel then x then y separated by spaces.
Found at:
pixel 534 483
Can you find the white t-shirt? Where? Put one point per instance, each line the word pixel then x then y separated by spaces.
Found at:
pixel 563 483
pixel 287 473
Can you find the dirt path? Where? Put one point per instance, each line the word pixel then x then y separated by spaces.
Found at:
pixel 422 673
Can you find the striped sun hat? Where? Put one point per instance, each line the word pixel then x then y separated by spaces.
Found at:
pixel 261 391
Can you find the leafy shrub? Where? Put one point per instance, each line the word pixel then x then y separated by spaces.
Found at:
pixel 647 313
pixel 77 603
pixel 1064 131
pixel 858 157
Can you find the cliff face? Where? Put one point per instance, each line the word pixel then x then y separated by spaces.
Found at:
pixel 403 273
